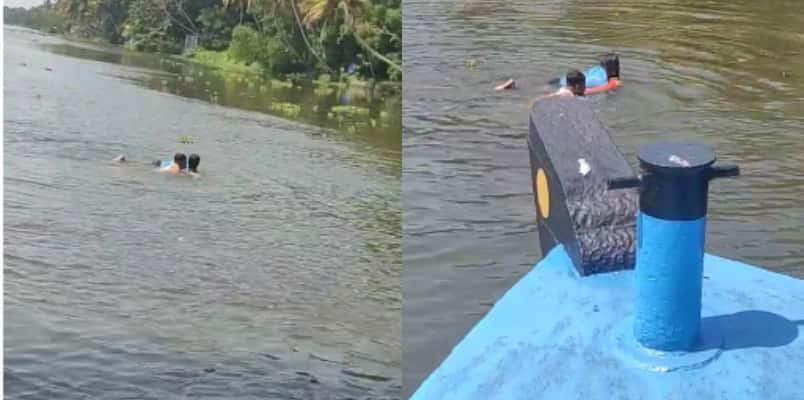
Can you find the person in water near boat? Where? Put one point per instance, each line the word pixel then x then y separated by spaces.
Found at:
pixel 600 75
pixel 601 78
pixel 576 86
pixel 177 166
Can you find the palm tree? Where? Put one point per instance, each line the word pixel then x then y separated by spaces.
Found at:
pixel 245 5
pixel 304 35
pixel 318 11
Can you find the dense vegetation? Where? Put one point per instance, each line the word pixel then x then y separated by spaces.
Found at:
pixel 277 36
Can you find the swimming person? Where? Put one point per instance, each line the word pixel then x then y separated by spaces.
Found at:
pixel 576 86
pixel 192 165
pixel 599 79
pixel 600 76
pixel 177 166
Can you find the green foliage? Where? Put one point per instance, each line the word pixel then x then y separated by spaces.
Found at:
pixel 277 84
pixel 222 60
pixel 216 25
pixel 249 46
pixel 146 26
pixel 41 18
pixel 245 46
pixel 287 109
pixel 308 37
pixel 350 111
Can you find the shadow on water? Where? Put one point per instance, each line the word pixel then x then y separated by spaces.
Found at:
pixel 751 329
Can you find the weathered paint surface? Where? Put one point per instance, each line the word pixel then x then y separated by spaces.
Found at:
pixel 669 267
pixel 555 336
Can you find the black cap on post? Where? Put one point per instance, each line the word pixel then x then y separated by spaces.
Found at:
pixel 675 180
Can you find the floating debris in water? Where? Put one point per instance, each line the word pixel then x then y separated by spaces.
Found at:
pixel 350 110
pixel 186 140
pixel 281 84
pixel 323 91
pixel 288 109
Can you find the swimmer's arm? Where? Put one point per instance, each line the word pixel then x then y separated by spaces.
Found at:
pixel 559 92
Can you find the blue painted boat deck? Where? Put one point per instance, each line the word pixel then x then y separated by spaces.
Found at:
pixel 554 336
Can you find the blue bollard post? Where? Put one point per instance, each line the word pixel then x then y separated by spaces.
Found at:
pixel 671 228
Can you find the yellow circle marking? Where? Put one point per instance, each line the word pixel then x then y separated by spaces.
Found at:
pixel 542 194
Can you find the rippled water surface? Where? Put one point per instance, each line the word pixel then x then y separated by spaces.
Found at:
pixel 276 274
pixel 728 74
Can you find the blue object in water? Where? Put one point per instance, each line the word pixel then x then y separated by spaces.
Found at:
pixel 595 76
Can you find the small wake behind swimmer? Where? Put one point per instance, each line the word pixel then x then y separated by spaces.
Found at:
pixel 179 165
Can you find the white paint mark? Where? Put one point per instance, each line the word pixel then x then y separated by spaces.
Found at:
pixel 678 160
pixel 584 167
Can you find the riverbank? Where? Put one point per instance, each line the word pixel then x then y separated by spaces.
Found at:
pixel 295 37
pixel 223 61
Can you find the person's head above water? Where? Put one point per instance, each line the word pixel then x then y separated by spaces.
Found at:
pixel 611 63
pixel 181 160
pixel 576 82
pixel 195 159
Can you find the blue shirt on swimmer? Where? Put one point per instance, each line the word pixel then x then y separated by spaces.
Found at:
pixel 595 76
pixel 165 163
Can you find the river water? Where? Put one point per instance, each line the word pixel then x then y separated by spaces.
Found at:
pixel 727 74
pixel 276 274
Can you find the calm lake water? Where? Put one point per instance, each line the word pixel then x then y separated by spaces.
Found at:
pixel 276 274
pixel 728 74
